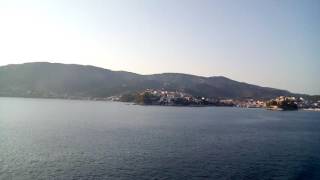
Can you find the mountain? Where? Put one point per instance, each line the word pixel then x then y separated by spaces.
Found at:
pixel 42 79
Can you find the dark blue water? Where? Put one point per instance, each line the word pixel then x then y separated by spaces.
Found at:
pixel 61 139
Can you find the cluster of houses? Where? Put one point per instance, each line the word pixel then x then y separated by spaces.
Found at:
pixel 249 103
pixel 282 103
pixel 171 98
pixel 308 104
pixel 164 97
pixel 293 103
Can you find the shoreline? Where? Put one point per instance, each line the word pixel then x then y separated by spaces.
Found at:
pixel 311 109
pixel 133 103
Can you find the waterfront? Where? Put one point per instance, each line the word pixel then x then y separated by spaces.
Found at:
pixel 73 139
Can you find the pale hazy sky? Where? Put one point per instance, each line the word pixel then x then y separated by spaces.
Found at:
pixel 265 42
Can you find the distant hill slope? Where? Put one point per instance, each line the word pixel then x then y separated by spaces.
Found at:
pixel 43 79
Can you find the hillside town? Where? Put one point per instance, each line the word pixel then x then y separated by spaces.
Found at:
pixel 178 98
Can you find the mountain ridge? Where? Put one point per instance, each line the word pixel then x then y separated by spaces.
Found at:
pixel 45 79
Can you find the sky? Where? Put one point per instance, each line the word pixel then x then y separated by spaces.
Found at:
pixel 274 43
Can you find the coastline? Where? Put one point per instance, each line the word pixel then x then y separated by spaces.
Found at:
pixel 161 105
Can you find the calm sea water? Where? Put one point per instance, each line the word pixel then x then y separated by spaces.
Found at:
pixel 62 139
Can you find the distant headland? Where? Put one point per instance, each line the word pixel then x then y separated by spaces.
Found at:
pixel 70 81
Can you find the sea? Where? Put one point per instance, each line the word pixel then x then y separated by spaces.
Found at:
pixel 75 139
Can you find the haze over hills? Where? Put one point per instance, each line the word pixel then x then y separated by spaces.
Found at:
pixel 42 79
